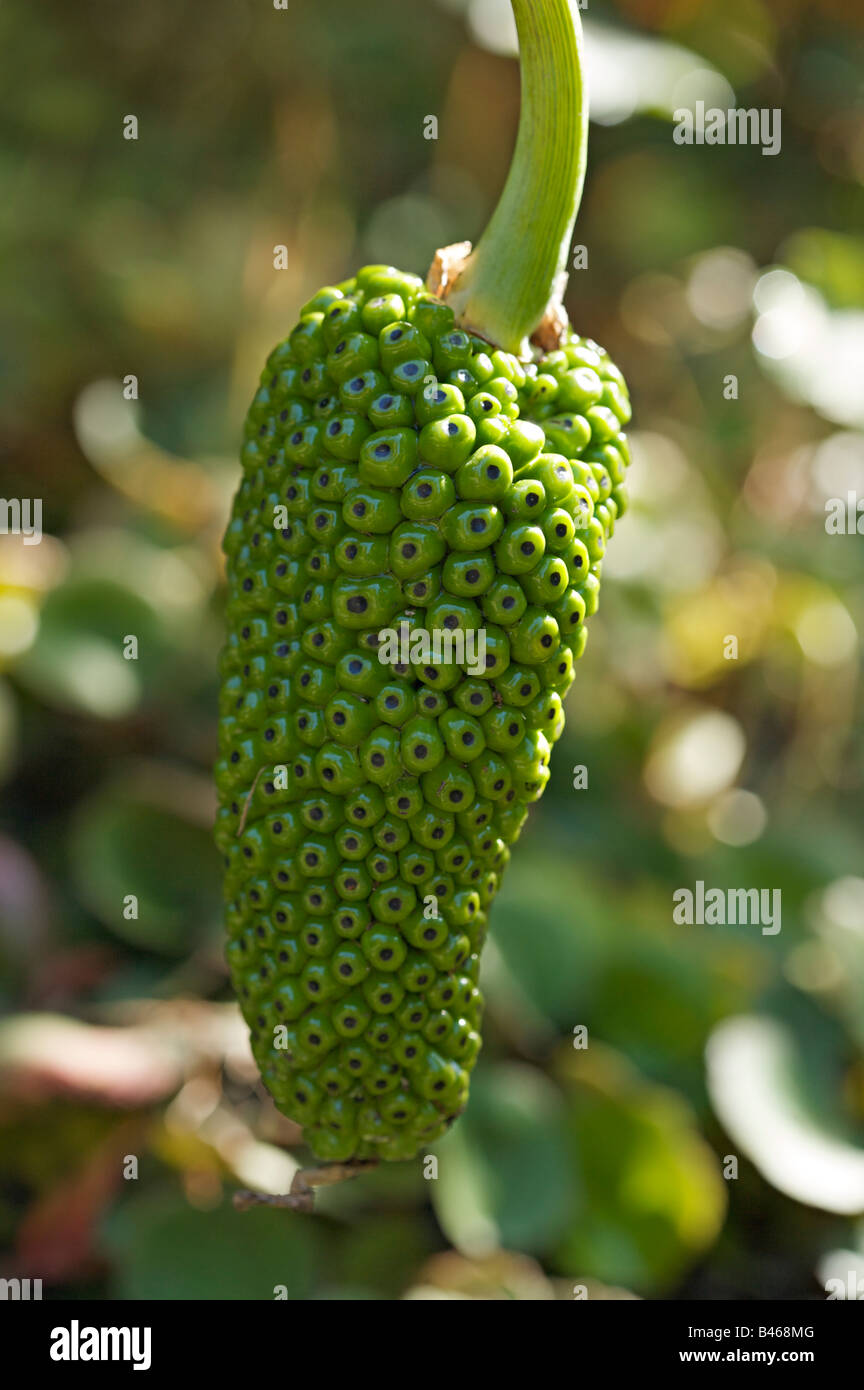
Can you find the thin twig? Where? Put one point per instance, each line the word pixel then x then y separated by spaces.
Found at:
pixel 241 827
pixel 303 1184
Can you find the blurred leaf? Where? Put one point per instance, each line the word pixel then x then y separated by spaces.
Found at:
pixel 830 260
pixel 77 659
pixel 657 999
pixel 774 1098
pixel 381 1253
pixel 118 848
pixel 164 1249
pixel 549 929
pixel 504 1174
pixel 653 1198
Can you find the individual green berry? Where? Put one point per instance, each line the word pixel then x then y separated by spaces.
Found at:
pixel 486 476
pixel 427 495
pixel 387 458
pixel 389 409
pixel 446 443
pixel 382 310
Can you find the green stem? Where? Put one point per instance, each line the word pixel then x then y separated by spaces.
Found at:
pixel 517 267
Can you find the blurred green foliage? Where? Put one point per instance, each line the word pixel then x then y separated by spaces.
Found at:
pixel 606 1167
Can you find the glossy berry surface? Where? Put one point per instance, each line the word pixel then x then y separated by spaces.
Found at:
pixel 399 474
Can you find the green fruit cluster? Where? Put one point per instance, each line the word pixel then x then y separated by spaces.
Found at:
pixel 397 470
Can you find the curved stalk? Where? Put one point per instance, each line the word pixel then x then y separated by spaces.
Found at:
pixel 519 265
